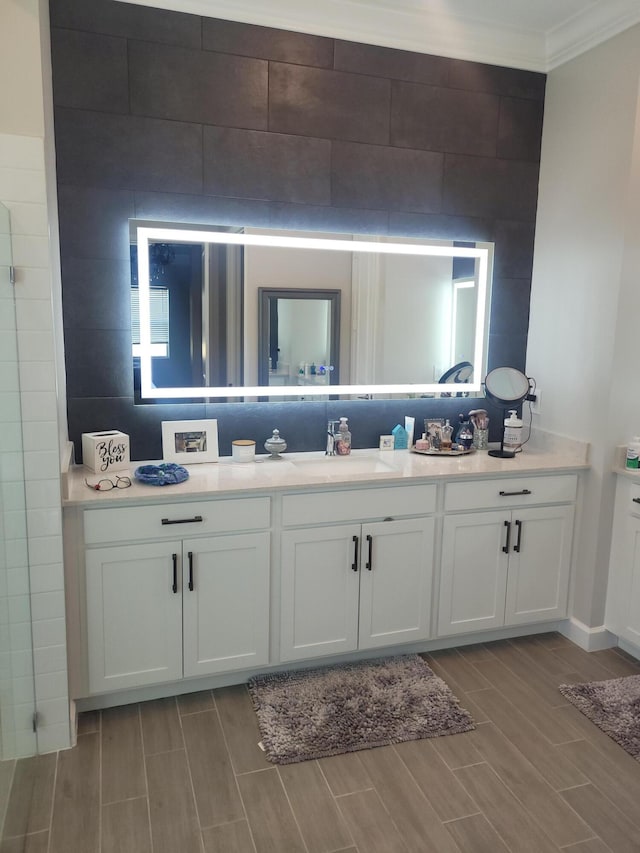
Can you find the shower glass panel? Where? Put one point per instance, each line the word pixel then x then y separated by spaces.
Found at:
pixel 17 694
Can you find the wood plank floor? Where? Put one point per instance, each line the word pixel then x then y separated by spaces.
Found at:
pixel 185 775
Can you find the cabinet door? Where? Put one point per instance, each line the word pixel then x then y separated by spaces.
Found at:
pixel 539 564
pixel 134 615
pixel 473 576
pixel 319 602
pixel 226 603
pixel 630 619
pixel 396 569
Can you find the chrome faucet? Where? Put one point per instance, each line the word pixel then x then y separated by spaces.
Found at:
pixel 331 439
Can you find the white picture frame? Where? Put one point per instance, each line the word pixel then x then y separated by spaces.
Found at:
pixel 190 442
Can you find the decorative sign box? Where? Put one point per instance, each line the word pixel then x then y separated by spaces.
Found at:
pixel 103 452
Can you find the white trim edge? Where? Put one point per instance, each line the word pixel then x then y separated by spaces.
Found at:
pixel 589 639
pixel 629 648
pixel 435 32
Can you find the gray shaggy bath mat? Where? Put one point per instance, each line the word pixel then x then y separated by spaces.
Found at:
pixel 314 713
pixel 613 705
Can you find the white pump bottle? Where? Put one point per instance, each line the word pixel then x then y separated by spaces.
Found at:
pixel 513 432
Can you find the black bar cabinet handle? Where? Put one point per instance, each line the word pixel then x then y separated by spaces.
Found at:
pixel 636 500
pixel 356 542
pixel 516 547
pixel 190 556
pixel 505 547
pixel 513 494
pixel 369 563
pixel 182 520
pixel 174 586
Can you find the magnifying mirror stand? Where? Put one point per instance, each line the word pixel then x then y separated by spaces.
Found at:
pixel 502 453
pixel 506 387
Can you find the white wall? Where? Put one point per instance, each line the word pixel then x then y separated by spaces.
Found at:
pixel 414 348
pixel 23 190
pixel 582 323
pixel 20 68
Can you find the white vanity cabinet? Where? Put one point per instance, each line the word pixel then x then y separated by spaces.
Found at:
pixel 177 606
pixel 506 559
pixel 623 593
pixel 274 565
pixel 357 585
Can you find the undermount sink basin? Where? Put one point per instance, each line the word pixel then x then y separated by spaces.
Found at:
pixel 327 465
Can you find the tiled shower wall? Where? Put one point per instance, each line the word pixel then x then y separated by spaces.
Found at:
pixel 168 116
pixel 38 563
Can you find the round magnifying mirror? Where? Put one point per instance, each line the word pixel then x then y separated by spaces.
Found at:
pixel 506 386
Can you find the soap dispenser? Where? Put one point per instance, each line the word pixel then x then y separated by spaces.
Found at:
pixel 512 432
pixel 343 439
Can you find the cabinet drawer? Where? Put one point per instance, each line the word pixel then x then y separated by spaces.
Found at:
pixel 519 491
pixel 358 505
pixel 126 524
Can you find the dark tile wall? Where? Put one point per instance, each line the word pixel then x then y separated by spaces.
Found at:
pixel 169 116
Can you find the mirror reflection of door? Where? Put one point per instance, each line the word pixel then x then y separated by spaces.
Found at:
pixel 299 337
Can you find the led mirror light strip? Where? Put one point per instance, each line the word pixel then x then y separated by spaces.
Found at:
pixel 146 235
pixel 457 287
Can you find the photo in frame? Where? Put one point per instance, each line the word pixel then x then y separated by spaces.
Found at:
pixel 433 431
pixel 189 442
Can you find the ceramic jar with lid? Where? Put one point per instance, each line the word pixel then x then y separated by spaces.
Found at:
pixel 275 445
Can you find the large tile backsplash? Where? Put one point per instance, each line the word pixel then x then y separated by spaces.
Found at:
pixel 168 116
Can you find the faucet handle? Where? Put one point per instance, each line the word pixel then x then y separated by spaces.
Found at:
pixel 331 439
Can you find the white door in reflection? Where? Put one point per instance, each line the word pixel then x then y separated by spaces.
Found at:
pixel 299 337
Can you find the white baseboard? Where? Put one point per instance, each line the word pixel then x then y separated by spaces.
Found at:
pixel 589 639
pixel 629 648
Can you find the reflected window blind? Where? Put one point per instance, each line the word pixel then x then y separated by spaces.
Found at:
pixel 159 309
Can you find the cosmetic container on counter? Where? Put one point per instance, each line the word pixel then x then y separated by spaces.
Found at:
pixel 445 440
pixel 633 453
pixel 512 432
pixel 423 443
pixel 464 438
pixel 343 439
pixel 243 450
pixel 275 445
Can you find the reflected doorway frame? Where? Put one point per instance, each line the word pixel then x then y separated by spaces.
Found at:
pixel 268 297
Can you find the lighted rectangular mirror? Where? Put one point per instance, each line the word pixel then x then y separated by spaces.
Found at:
pixel 409 310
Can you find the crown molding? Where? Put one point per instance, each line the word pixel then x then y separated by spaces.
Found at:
pixel 583 32
pixel 436 33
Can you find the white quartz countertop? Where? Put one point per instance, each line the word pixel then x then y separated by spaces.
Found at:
pixel 295 471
